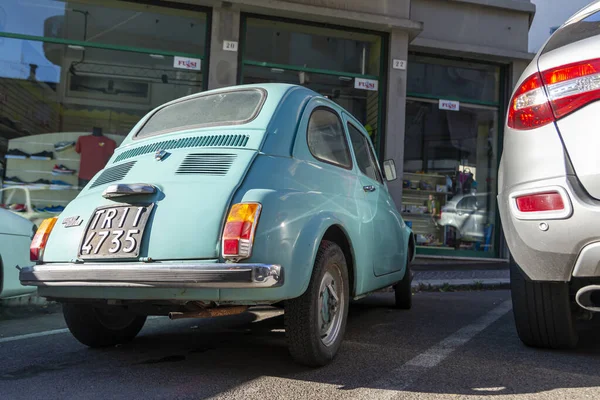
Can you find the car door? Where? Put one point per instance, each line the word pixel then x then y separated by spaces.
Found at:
pixel 389 252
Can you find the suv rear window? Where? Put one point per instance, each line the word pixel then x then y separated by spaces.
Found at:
pixel 225 108
pixel 574 32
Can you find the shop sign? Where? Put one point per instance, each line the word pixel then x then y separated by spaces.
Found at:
pixel 399 64
pixel 187 63
pixel 449 105
pixel 366 84
pixel 229 45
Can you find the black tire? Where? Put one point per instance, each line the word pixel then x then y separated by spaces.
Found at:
pixel 403 290
pixel 303 315
pixel 96 327
pixel 542 312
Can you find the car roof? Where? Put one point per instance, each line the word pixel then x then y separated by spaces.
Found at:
pixel 584 12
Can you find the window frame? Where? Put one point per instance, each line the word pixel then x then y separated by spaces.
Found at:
pixel 348 145
pixel 255 115
pixel 380 179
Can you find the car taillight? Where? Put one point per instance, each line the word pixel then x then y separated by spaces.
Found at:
pixel 36 249
pixel 238 234
pixel 540 202
pixel 572 86
pixel 553 94
pixel 529 107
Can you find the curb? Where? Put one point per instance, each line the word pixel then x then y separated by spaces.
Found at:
pixel 23 301
pixel 460 284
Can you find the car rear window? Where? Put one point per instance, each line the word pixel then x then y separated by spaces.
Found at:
pixel 225 108
pixel 584 28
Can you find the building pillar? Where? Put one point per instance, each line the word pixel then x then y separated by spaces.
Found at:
pixel 223 64
pixel 396 110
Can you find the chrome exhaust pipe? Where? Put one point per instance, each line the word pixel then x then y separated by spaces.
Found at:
pixel 209 312
pixel 588 298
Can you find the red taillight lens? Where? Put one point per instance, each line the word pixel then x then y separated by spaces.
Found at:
pixel 540 202
pixel 238 234
pixel 572 86
pixel 36 249
pixel 553 94
pixel 529 107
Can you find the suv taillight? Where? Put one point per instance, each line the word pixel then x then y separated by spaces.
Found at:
pixel 545 97
pixel 238 234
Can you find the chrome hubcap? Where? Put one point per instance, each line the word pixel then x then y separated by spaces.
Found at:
pixel 331 306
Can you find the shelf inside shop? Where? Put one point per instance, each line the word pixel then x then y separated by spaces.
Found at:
pixel 436 176
pixel 415 191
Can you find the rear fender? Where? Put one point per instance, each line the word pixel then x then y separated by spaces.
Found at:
pixel 288 235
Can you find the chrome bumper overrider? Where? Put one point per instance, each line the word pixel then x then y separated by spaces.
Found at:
pixel 154 275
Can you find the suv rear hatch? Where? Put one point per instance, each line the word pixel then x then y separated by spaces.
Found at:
pixel 570 69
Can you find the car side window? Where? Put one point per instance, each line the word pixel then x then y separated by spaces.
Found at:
pixel 326 139
pixel 467 203
pixel 364 155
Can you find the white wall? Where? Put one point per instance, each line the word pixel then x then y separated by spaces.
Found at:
pixel 551 13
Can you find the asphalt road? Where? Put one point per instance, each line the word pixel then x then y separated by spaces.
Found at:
pixel 450 345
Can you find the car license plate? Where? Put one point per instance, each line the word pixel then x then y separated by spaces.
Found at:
pixel 115 232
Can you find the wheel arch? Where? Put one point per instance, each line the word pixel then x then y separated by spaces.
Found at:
pixel 337 234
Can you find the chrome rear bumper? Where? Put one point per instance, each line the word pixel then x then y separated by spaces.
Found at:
pixel 160 275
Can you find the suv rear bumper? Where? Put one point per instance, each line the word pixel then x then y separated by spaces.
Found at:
pixel 136 275
pixel 552 254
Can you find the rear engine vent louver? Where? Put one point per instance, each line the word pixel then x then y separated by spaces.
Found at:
pixel 113 174
pixel 206 164
pixel 197 141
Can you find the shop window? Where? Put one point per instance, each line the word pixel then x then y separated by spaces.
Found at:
pixel 312 47
pixel 111 22
pixel 364 156
pixel 326 138
pixel 450 171
pixel 477 83
pixel 52 95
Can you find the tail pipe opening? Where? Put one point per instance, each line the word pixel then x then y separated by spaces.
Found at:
pixel 588 297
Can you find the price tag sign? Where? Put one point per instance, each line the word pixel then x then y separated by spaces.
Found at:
pixel 187 63
pixel 399 64
pixel 366 84
pixel 449 105
pixel 230 46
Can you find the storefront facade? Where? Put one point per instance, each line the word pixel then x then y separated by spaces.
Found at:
pixel 429 80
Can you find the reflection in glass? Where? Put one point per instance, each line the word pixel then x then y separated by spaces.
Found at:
pixel 446 78
pixel 450 175
pixel 109 22
pixel 312 47
pixel 51 88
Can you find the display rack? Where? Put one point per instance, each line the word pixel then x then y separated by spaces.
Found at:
pixel 30 170
pixel 415 211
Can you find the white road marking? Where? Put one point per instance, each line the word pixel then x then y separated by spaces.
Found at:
pixel 33 335
pixel 46 333
pixel 401 378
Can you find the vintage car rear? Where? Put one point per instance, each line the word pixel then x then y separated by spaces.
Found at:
pixel 158 221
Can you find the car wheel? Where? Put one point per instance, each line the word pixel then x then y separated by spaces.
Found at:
pixel 97 327
pixel 403 290
pixel 542 311
pixel 315 322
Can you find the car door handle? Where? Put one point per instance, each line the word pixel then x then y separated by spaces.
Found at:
pixel 369 188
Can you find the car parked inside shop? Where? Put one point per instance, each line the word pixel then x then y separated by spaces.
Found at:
pixel 252 195
pixel 549 185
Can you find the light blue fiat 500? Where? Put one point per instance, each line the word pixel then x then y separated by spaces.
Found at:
pixel 252 195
